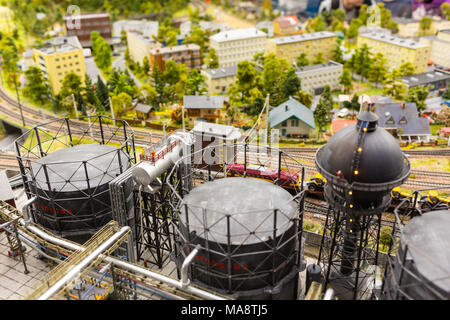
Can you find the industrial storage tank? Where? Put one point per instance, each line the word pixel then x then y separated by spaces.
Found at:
pixel 419 270
pixel 249 233
pixel 362 164
pixel 70 182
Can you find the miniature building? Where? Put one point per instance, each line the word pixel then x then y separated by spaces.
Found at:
pixel 188 54
pixel 144 111
pixel 440 47
pixel 436 81
pixel 206 108
pixel 235 46
pixel 402 120
pixel 216 135
pixel 58 57
pixel 408 27
pixel 314 78
pixel 397 50
pixel 219 80
pixel 291 47
pixel 339 124
pixel 292 118
pixel 267 25
pixel 286 26
pixel 146 28
pixel 82 25
pixel 140 45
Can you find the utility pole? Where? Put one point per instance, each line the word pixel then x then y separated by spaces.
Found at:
pixel 75 106
pixel 112 111
pixel 18 99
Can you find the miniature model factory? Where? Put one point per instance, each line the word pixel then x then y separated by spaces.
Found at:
pixel 225 216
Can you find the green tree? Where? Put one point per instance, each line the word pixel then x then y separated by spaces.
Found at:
pixel 147 94
pixel 195 83
pixel 321 115
pixel 199 37
pixel 425 24
pixel 10 57
pixel 318 58
pixel 346 80
pixel 353 29
pixel 158 83
pixel 121 81
pixel 35 88
pixel 394 87
pixel 177 115
pixel 274 73
pixel 445 10
pixel 94 37
pixel 318 24
pixel 120 103
pixel 90 97
pixel 353 104
pixel 71 85
pixel 212 61
pixel 103 55
pixel 305 98
pixel 302 60
pixel 385 236
pixel 102 93
pixel 291 84
pixel 406 69
pixel 378 68
pixel 363 61
pixel 171 74
pixel 171 38
pixel 338 55
pixel 418 95
pixel 247 78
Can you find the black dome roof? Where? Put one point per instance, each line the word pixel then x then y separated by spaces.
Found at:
pixel 381 159
pixel 363 153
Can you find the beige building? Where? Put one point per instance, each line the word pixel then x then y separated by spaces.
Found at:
pixel 397 50
pixel 218 81
pixel 314 78
pixel 408 28
pixel 291 47
pixel 440 48
pixel 187 54
pixel 59 57
pixel 234 46
pixel 139 46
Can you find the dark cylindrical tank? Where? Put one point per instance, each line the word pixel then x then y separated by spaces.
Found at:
pixel 72 189
pixel 421 264
pixel 362 163
pixel 248 231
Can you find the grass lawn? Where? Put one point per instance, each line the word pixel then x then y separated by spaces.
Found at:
pixel 437 164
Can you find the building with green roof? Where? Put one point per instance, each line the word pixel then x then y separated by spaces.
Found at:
pixel 292 119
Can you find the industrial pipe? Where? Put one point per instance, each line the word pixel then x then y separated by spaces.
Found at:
pixel 26 208
pixel 75 271
pixel 186 263
pixel 128 266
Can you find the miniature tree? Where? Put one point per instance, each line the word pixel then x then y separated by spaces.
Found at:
pixel 418 95
pixel 302 60
pixel 212 61
pixel 346 80
pixel 378 69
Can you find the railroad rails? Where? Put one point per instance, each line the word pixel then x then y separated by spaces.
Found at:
pixel 32 115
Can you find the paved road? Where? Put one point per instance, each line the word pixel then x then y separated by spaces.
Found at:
pixel 92 70
pixel 119 63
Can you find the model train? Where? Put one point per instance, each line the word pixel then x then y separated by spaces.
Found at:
pixel 315 187
pixel 285 179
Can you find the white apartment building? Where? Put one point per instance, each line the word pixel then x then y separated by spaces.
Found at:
pixel 238 45
pixel 440 47
pixel 146 28
pixel 314 78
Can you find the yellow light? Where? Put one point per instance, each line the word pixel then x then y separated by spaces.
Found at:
pixel 351 231
pixel 351 206
pixel 359 149
pixel 356 172
pixel 350 192
pixel 351 220
pixel 365 129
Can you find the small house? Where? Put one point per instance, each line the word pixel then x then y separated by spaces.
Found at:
pixel 144 111
pixel 203 108
pixel 402 120
pixel 292 119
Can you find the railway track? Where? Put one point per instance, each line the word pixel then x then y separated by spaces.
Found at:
pixel 32 115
